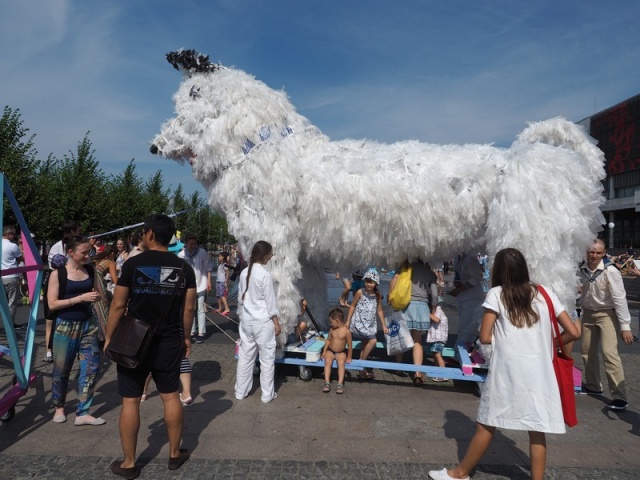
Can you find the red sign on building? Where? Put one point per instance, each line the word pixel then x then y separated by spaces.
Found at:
pixel 617 130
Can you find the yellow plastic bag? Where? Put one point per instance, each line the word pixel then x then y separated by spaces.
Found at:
pixel 400 296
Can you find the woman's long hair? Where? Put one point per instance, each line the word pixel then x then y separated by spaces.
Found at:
pixel 511 273
pixel 106 253
pixel 125 243
pixel 258 253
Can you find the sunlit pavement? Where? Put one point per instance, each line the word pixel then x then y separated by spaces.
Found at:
pixel 380 429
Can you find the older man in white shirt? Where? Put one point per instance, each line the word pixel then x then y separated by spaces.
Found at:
pixel 605 315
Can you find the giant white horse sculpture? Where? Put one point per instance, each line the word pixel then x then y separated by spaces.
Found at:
pixel 322 203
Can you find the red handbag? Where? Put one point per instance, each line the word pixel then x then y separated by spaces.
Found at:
pixel 563 366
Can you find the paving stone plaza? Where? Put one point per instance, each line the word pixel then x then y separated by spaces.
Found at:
pixel 380 429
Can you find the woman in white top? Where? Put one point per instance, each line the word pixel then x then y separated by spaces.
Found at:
pixel 123 253
pixel 521 390
pixel 259 324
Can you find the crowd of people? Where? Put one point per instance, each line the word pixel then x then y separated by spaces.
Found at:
pixel 520 392
pixel 87 288
pixel 92 286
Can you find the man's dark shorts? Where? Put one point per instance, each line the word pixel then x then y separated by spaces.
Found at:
pixel 163 361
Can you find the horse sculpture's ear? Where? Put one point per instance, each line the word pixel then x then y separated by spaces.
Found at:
pixel 190 61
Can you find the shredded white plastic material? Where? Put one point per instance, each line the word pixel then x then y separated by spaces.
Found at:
pixel 336 204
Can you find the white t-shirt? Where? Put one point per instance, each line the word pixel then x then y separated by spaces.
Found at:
pixel 56 249
pixel 10 254
pixel 201 265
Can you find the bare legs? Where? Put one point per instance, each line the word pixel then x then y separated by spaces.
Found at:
pixel 480 444
pixel 130 425
pixel 477 448
pixel 173 418
pixel 418 352
pixel 328 361
pixel 344 296
pixel 538 454
pixel 364 354
pixel 439 360
pixel 146 387
pixel 222 302
pixel 185 381
pixel 367 348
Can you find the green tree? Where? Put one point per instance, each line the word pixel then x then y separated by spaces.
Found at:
pixel 127 203
pixel 47 217
pixel 156 197
pixel 52 191
pixel 210 228
pixel 80 189
pixel 219 231
pixel 19 164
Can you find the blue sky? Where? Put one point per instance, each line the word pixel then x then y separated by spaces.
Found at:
pixel 437 71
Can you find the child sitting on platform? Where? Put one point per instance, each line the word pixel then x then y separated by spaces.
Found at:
pixel 361 320
pixel 301 326
pixel 437 336
pixel 339 346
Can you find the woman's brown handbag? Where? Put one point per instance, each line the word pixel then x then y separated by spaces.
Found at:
pixel 131 340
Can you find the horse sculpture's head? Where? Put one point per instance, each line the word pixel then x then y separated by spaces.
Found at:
pixel 221 115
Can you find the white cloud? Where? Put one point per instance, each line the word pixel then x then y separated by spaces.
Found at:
pixel 30 28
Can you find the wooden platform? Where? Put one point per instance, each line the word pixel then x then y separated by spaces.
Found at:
pixel 307 355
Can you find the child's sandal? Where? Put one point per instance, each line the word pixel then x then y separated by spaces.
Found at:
pixel 339 389
pixel 326 388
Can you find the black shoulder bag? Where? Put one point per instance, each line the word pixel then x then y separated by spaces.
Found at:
pixel 130 341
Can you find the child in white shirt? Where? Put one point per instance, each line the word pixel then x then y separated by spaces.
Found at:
pixel 437 336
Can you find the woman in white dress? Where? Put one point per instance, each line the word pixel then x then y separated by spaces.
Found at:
pixel 521 390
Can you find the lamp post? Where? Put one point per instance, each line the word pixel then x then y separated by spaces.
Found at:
pixel 611 226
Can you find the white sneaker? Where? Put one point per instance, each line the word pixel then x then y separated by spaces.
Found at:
pixel 275 395
pixel 442 475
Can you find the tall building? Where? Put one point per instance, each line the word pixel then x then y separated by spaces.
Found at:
pixel 617 130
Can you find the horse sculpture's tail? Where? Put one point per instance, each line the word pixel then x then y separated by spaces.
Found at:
pixel 547 202
pixel 561 133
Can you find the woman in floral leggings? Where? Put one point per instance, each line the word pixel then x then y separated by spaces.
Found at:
pixel 70 296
